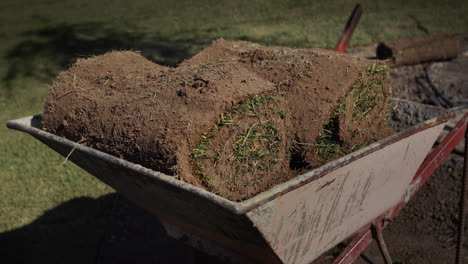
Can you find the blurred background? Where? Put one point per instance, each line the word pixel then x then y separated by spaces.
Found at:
pixel 57 213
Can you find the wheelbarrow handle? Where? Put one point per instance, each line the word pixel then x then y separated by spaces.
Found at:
pixel 353 20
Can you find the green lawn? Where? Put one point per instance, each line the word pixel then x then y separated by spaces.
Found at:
pixel 40 38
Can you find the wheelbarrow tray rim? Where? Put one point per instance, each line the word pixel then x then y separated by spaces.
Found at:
pixel 32 124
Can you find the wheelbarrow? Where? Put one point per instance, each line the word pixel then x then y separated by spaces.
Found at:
pixel 298 220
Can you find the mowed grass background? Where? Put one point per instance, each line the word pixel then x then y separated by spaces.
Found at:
pixel 41 38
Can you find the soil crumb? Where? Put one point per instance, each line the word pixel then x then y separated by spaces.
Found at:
pixel 235 119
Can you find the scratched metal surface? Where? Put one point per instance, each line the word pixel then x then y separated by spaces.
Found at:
pixel 302 224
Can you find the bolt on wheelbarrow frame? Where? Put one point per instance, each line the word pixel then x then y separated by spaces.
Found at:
pixel 293 222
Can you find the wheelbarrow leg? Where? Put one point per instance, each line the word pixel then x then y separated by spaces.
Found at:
pixel 378 236
pixel 361 242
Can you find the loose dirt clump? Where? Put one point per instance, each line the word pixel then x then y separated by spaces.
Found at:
pixel 235 119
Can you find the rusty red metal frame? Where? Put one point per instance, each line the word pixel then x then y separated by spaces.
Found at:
pixel 368 233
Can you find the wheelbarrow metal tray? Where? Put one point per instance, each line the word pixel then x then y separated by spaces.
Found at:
pixel 293 222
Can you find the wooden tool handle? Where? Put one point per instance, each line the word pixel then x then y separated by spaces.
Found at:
pixel 349 29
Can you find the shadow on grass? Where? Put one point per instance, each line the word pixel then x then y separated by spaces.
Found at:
pixel 45 52
pixel 109 229
pixel 68 233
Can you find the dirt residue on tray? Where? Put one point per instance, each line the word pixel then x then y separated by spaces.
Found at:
pixel 235 119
